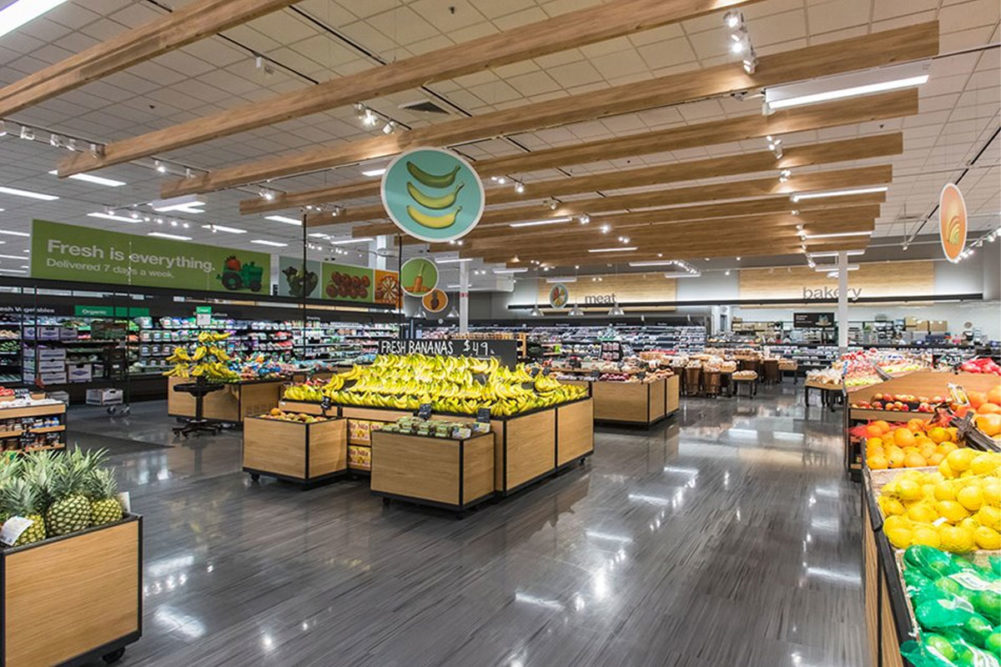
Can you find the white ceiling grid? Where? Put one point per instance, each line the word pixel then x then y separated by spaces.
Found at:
pixel 318 40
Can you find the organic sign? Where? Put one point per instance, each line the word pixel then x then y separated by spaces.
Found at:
pixel 952 222
pixel 432 194
pixel 435 301
pixel 69 252
pixel 418 276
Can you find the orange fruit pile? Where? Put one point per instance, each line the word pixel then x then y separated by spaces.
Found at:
pixel 916 444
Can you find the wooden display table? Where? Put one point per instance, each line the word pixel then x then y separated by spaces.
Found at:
pixel 306 454
pixel 829 393
pixel 238 401
pixel 632 403
pixel 91 581
pixel 439 472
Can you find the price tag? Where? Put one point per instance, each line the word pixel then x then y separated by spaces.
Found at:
pixel 12 529
pixel 480 377
pixel 125 501
pixel 958 394
pixel 424 411
pixel 325 403
pixel 483 415
pixel 546 371
pixel 533 371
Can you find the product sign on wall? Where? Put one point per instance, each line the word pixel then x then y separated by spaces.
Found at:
pixel 432 194
pixel 418 276
pixel 337 282
pixel 69 252
pixel 952 222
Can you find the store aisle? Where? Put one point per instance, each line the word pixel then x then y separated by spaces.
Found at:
pixel 727 536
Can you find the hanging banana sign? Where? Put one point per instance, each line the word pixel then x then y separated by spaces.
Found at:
pixel 952 222
pixel 432 194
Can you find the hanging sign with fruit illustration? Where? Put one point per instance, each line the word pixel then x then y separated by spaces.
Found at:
pixel 559 295
pixel 432 194
pixel 418 276
pixel 952 222
pixel 435 301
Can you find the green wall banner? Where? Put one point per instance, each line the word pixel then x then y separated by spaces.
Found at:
pixel 85 254
pixel 432 194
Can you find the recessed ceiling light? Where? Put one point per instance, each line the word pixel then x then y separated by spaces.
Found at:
pixel 96 180
pixel 222 228
pixel 373 172
pixel 174 237
pixel 837 193
pixel 16 15
pixel 625 249
pixel 360 239
pixel 536 223
pixel 285 219
pixel 274 244
pixel 11 233
pixel 108 216
pixel 26 193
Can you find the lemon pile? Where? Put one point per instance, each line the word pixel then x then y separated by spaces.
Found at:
pixel 956 509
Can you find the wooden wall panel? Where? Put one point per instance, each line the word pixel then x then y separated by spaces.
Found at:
pixel 628 288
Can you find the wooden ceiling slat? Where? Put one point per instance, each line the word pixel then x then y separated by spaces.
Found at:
pixel 894 104
pixel 581 27
pixel 192 22
pixel 812 181
pixel 883 48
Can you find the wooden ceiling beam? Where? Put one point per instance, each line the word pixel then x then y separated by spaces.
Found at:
pixel 878 49
pixel 811 181
pixel 894 104
pixel 577 28
pixel 192 22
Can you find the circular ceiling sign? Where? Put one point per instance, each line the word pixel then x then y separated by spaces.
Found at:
pixel 435 301
pixel 559 295
pixel 432 194
pixel 418 276
pixel 952 222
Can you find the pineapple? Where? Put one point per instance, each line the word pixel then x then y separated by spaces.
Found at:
pixel 70 510
pixel 20 498
pixel 9 471
pixel 104 507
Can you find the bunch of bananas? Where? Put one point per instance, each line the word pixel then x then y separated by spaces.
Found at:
pixel 215 370
pixel 213 336
pixel 180 370
pixel 180 355
pixel 303 392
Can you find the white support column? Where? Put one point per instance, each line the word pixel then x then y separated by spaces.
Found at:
pixel 381 243
pixel 843 302
pixel 463 297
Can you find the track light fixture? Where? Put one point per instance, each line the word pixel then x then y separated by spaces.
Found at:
pixel 55 141
pixel 519 187
pixel 27 133
pixel 750 61
pixel 584 219
pixel 159 166
pixel 775 146
pixel 389 127
pixel 784 175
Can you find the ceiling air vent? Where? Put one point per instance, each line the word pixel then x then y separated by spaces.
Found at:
pixel 424 106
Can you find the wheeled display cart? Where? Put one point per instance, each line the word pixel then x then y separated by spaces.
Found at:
pixel 294 451
pixel 73 599
pixel 440 472
pixel 238 401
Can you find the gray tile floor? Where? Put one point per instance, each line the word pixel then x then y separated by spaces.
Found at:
pixel 726 536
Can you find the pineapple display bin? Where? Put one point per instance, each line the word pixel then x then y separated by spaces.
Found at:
pixel 447 473
pixel 238 401
pixel 306 454
pixel 91 581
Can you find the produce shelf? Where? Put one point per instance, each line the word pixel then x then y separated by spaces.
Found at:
pixel 304 453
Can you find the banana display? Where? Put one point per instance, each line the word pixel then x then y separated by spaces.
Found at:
pixel 208 360
pixel 460 385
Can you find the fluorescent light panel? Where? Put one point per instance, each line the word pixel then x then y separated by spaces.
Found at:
pixel 453 260
pixel 26 193
pixel 12 271
pixel 360 239
pixel 282 218
pixel 854 91
pixel 834 253
pixel 173 237
pixel 682 274
pixel 119 218
pixel 373 172
pixel 274 244
pixel 538 223
pixel 96 180
pixel 222 228
pixel 510 270
pixel 835 235
pixel 566 279
pixel 834 274
pixel 16 15
pixel 837 193
pixel 20 257
pixel 12 233
pixel 623 249
pixel 655 262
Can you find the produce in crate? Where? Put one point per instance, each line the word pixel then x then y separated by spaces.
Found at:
pixel 104 505
pixel 916 444
pixel 70 510
pixel 20 498
pixel 957 604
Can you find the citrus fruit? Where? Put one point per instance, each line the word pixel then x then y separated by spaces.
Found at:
pixel 874 443
pixel 926 449
pixel 916 425
pixel 936 458
pixel 895 457
pixel 908 489
pixel 940 645
pixel 993 643
pixel 944 468
pixel 915 460
pixel 961 459
pixel 938 435
pixel 877 462
pixel 899 537
pixel 944 491
pixel 890 506
pixel 985 464
pixel 873 431
pixel 947 447
pixel 970 497
pixel 881 425
pixel 987 538
pixel 896 522
pixel 951 510
pixel 990 516
pixel 956 540
pixel 991 489
pixel 925 535
pixel 922 513
pixel 903 438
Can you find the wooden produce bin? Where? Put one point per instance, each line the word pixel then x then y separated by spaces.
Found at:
pixel 439 472
pixel 306 454
pixel 236 402
pixel 887 611
pixel 524 449
pixel 672 395
pixel 639 403
pixel 574 432
pixel 73 599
